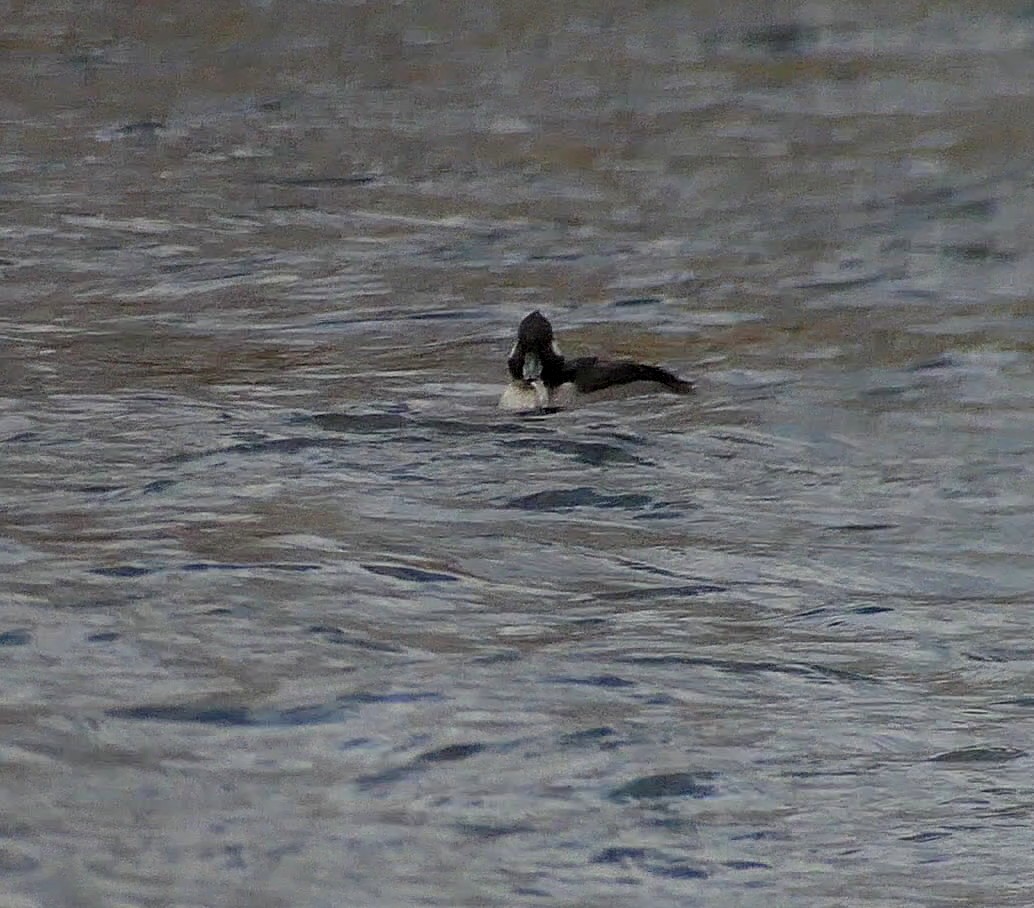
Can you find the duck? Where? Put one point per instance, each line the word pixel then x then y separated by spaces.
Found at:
pixel 542 379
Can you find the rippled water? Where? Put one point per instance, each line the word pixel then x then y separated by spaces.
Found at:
pixel 293 616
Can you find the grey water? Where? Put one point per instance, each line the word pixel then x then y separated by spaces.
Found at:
pixel 292 615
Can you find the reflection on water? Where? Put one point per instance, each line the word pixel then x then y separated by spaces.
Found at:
pixel 293 615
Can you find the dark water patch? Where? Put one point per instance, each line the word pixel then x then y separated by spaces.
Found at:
pixel 339 637
pixel 22 438
pixel 976 252
pixel 841 282
pixel 659 513
pixel 450 753
pixel 555 256
pixel 608 428
pixel 925 836
pixel 196 567
pixel 361 423
pixel 666 785
pixel 587 736
pixel 395 774
pixel 280 446
pixel 678 871
pixel 13 860
pixel 820 673
pixel 741 439
pixel 410 574
pixel 824 773
pixel 638 301
pixel 860 527
pixel 466 428
pixel 994 658
pixel 887 392
pixel 497 658
pixel 659 592
pixel 661 700
pixel 123 571
pixel 979 754
pixel 532 892
pixel 580 497
pixel 937 362
pixel 229 611
pixel 99 489
pixel 925 196
pixel 158 486
pixel 972 209
pixel 1020 702
pixel 619 855
pixel 103 637
pixel 593 454
pixel 646 568
pixel 486 832
pixel 606 681
pixel 780 38
pixel 538 412
pixel 141 127
pixel 385 777
pixel 266 446
pixel 203 715
pixel 325 182
pixel 375 423
pixel 871 610
pixel 441 315
pixel 16 637
pixel 746 865
pixel 241 716
pixel 761 835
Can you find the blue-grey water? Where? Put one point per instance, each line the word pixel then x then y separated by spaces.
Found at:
pixel 291 616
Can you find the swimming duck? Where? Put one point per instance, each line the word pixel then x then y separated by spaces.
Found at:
pixel 542 379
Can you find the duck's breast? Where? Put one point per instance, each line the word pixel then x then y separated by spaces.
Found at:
pixel 522 396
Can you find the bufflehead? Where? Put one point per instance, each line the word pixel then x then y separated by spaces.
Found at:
pixel 539 373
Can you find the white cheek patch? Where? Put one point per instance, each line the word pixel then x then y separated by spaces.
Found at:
pixel 532 367
pixel 555 349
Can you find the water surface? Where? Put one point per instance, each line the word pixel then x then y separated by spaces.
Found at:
pixel 293 616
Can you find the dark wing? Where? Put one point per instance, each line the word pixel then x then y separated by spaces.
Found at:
pixel 589 374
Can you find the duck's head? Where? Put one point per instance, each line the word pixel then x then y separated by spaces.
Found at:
pixel 535 354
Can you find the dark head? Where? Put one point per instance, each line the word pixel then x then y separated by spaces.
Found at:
pixel 535 354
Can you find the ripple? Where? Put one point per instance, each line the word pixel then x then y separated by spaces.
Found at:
pixel 449 754
pixel 979 754
pixel 588 452
pixel 231 715
pixel 580 497
pixel 123 571
pixel 410 574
